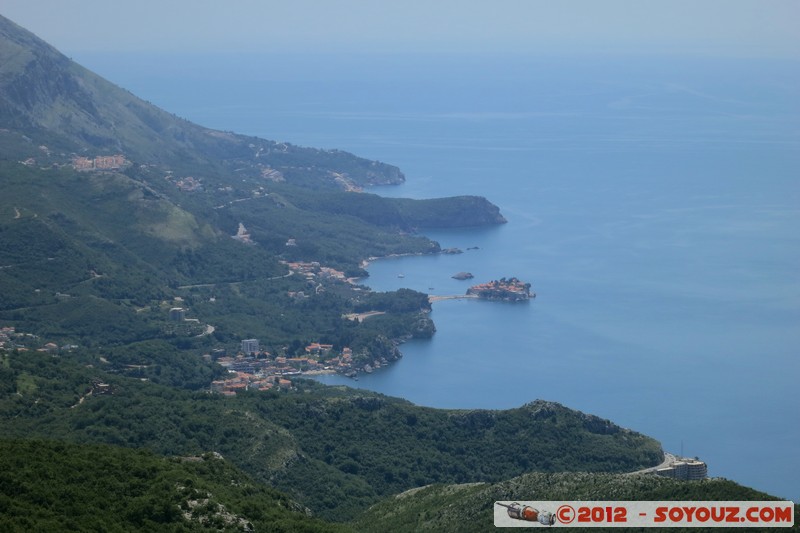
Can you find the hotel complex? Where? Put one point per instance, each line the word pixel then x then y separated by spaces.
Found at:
pixel 690 470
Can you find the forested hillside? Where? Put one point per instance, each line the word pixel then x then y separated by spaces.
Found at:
pixel 470 507
pixel 56 486
pixel 114 211
pixel 335 450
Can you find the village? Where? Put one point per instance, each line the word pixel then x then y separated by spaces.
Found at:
pixel 100 162
pixel 11 339
pixel 251 368
pixel 254 369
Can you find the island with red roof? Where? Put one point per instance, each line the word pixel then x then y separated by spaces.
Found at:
pixel 511 290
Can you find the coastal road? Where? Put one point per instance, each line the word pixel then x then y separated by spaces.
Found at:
pixel 363 316
pixel 199 285
pixel 668 460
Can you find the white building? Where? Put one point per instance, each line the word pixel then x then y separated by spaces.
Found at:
pixel 689 469
pixel 696 470
pixel 250 346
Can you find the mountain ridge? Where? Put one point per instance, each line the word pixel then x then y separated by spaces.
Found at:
pixel 45 95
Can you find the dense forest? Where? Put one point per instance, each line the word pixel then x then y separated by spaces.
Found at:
pixel 333 449
pixel 58 486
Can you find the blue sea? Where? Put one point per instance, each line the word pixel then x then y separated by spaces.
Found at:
pixel 652 202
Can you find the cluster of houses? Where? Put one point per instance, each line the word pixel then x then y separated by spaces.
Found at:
pixel 100 162
pixel 11 339
pixel 185 184
pixel 7 337
pixel 313 270
pixel 254 369
pixel 242 381
pixel 189 184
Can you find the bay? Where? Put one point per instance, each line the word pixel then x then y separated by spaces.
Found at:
pixel 653 203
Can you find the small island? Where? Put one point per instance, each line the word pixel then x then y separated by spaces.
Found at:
pixel 510 290
pixel 462 275
pixel 452 251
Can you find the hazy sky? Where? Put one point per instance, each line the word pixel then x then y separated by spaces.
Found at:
pixel 716 27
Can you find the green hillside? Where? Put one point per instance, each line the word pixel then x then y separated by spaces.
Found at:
pixel 470 507
pixel 96 256
pixel 335 450
pixel 56 486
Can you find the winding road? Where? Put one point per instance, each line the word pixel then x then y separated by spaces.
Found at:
pixel 668 460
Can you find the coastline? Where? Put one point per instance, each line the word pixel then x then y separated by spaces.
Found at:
pixel 366 262
pixel 322 372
